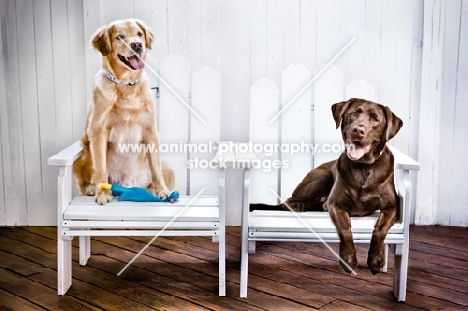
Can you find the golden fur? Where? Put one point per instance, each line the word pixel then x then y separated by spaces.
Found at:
pixel 121 114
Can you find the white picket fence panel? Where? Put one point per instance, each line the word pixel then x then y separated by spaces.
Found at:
pixel 304 122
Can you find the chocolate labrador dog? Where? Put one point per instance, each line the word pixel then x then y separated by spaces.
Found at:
pixel 358 183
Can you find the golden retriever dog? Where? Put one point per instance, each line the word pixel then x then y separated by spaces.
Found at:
pixel 121 111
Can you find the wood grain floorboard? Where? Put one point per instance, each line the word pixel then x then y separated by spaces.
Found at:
pixel 181 273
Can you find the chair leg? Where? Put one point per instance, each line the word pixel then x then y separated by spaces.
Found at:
pixel 385 267
pixel 222 255
pixel 64 264
pixel 222 262
pixel 252 247
pixel 85 249
pixel 245 236
pixel 244 272
pixel 221 239
pixel 400 272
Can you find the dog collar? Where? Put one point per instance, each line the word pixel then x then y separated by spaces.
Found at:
pixel 111 77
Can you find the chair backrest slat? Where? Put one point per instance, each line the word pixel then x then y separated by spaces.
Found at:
pixel 264 104
pixel 189 122
pixel 204 130
pixel 174 115
pixel 296 126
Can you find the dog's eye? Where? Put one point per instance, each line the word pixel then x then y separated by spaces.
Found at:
pixel 140 34
pixel 374 118
pixel 120 37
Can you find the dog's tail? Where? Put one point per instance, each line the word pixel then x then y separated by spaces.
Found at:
pixel 265 207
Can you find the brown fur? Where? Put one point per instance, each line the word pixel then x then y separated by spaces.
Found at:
pixel 121 113
pixel 352 186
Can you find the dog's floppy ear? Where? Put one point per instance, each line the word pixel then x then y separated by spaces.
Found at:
pixel 101 41
pixel 394 123
pixel 339 109
pixel 148 33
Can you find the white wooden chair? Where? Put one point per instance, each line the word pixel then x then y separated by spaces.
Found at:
pixel 189 216
pixel 298 124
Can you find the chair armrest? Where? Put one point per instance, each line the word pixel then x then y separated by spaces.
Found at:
pixel 403 165
pixel 67 156
pixel 403 161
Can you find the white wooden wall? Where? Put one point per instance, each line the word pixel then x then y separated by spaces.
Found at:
pixel 443 142
pixel 413 52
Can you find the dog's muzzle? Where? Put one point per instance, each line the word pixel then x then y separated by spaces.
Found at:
pixel 134 61
pixel 356 150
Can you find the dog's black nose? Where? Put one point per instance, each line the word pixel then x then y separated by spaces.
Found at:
pixel 360 130
pixel 136 46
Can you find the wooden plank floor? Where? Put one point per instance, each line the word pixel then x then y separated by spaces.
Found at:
pixel 181 274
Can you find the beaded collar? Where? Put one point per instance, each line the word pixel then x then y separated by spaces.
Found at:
pixel 113 79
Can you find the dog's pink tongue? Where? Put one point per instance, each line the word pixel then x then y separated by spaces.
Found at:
pixel 356 151
pixel 136 63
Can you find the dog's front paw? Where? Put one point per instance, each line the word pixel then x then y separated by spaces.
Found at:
pixel 376 260
pixel 163 194
pixel 103 196
pixel 348 256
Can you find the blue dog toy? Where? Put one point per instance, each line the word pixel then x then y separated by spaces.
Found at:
pixel 137 194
